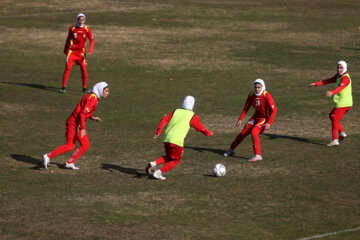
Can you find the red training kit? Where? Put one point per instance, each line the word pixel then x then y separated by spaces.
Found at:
pixel 75 48
pixel 76 122
pixel 265 111
pixel 173 152
pixel 337 113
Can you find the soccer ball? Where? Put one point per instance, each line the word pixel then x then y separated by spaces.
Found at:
pixel 219 170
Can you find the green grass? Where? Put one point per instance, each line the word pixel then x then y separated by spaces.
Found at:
pixel 153 54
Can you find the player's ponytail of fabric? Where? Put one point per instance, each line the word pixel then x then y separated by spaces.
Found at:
pixel 262 84
pixel 77 20
pixel 344 64
pixel 188 103
pixel 99 88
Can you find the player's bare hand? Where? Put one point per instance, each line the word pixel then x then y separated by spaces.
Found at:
pixel 267 126
pixel 311 85
pixel 82 133
pixel 329 94
pixel 238 123
pixel 96 119
pixel 156 136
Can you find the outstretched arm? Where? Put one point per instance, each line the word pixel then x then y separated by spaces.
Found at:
pixel 197 125
pixel 324 82
pixel 162 124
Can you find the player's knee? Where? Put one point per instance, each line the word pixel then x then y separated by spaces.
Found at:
pixel 86 146
pixel 70 147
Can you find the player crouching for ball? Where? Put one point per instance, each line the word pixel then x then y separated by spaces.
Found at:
pixel 75 126
pixel 265 111
pixel 178 123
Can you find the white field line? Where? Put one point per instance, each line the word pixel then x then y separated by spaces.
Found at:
pixel 92 11
pixel 330 234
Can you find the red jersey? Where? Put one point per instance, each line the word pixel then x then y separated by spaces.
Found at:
pixel 344 82
pixel 84 110
pixel 76 40
pixel 195 123
pixel 264 106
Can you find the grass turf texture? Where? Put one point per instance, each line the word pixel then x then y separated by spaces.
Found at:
pixel 153 54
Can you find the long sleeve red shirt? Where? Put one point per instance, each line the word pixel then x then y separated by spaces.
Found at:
pixel 195 123
pixel 344 82
pixel 84 110
pixel 264 107
pixel 76 40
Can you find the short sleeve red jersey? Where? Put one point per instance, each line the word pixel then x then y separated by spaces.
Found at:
pixel 264 107
pixel 84 109
pixel 76 40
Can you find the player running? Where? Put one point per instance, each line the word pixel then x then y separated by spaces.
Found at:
pixel 342 96
pixel 265 111
pixel 75 48
pixel 75 126
pixel 178 123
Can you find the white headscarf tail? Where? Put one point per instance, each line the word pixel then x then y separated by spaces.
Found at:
pixel 189 103
pixel 344 64
pixel 77 20
pixel 262 84
pixel 98 89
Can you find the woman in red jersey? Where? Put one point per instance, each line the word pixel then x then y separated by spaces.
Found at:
pixel 75 48
pixel 265 111
pixel 342 96
pixel 75 126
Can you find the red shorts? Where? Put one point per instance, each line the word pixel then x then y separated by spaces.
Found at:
pixel 173 151
pixel 76 57
pixel 338 113
pixel 72 129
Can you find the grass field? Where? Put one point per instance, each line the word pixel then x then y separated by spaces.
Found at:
pixel 153 54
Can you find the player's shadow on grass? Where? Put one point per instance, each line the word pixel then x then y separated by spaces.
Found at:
pixel 131 171
pixel 306 140
pixel 33 85
pixel 216 151
pixel 39 163
pixel 351 48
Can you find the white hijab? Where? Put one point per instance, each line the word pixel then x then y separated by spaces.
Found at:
pixel 262 84
pixel 188 103
pixel 342 63
pixel 77 20
pixel 98 89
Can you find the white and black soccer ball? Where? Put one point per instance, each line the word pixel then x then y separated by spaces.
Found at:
pixel 219 170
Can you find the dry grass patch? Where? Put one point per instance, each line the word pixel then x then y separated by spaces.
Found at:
pixel 179 48
pixel 18 8
pixel 31 40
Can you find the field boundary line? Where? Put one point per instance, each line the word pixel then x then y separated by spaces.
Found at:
pixel 92 11
pixel 330 234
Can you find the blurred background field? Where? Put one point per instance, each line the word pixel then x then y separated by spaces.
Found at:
pixel 153 54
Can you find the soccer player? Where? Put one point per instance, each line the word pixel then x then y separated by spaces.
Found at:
pixel 75 126
pixel 265 111
pixel 75 48
pixel 342 98
pixel 178 123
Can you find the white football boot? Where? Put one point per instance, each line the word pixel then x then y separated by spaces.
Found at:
pixel 71 165
pixel 158 175
pixel 342 136
pixel 228 152
pixel 255 158
pixel 333 143
pixel 149 167
pixel 46 160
